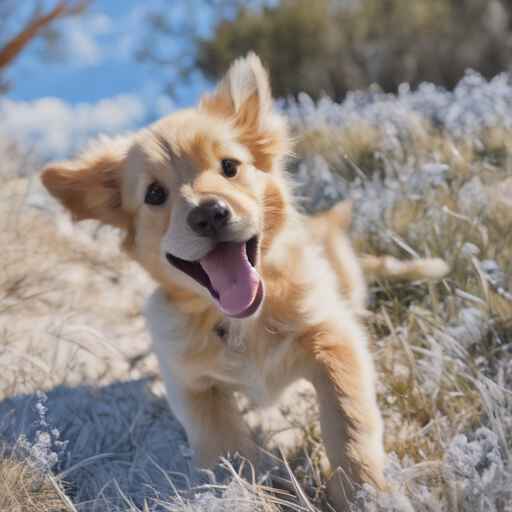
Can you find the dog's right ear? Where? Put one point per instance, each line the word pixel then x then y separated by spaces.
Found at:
pixel 89 185
pixel 244 97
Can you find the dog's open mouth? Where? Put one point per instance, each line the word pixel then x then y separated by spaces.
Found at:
pixel 228 273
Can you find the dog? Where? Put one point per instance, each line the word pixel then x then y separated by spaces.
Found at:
pixel 252 295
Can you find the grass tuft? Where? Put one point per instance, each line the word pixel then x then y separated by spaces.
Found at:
pixel 24 488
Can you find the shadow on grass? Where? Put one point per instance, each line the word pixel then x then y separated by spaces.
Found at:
pixel 113 446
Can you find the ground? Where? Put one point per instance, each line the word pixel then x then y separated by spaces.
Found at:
pixel 84 425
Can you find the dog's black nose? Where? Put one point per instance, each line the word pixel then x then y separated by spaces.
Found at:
pixel 209 217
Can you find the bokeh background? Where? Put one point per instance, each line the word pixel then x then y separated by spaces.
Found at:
pixel 72 68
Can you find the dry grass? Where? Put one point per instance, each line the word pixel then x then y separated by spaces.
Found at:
pixel 69 313
pixel 64 290
pixel 71 307
pixel 443 349
pixel 24 489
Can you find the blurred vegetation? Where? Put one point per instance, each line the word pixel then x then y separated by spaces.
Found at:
pixel 337 46
pixel 173 28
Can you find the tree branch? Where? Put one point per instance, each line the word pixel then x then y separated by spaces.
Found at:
pixel 18 42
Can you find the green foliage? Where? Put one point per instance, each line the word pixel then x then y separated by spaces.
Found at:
pixel 326 44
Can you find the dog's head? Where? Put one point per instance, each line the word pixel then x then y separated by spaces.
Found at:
pixel 198 193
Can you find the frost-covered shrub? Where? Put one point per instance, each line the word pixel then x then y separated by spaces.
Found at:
pixel 476 472
pixel 377 131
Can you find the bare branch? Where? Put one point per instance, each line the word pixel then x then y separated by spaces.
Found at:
pixel 38 21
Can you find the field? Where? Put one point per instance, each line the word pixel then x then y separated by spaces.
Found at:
pixel 83 422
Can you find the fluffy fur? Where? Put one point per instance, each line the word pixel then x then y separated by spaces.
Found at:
pixel 308 324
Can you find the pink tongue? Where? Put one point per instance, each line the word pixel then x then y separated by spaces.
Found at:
pixel 231 275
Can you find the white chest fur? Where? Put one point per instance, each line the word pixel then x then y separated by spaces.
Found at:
pixel 253 358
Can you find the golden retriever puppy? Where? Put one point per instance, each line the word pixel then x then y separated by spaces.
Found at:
pixel 251 295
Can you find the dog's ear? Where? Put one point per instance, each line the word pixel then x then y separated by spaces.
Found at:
pixel 244 96
pixel 89 185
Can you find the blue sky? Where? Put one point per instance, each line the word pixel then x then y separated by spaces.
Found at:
pixel 98 60
pixel 97 85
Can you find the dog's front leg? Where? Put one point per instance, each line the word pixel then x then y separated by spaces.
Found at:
pixel 351 423
pixel 212 421
pixel 217 427
pixel 209 413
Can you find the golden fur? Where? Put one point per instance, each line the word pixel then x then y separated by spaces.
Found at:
pixel 308 324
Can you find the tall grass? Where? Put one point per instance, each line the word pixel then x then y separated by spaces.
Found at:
pixel 430 174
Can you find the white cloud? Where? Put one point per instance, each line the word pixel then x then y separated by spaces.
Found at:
pixel 84 38
pixel 57 128
pixel 94 37
pixel 101 23
pixel 82 48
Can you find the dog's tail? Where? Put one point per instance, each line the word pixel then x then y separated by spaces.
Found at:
pixel 411 270
pixel 375 267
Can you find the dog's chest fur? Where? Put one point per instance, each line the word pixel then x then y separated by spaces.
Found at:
pixel 250 356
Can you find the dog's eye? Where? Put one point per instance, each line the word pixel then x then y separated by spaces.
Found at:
pixel 230 167
pixel 155 195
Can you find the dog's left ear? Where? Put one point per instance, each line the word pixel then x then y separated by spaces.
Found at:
pixel 244 96
pixel 89 185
